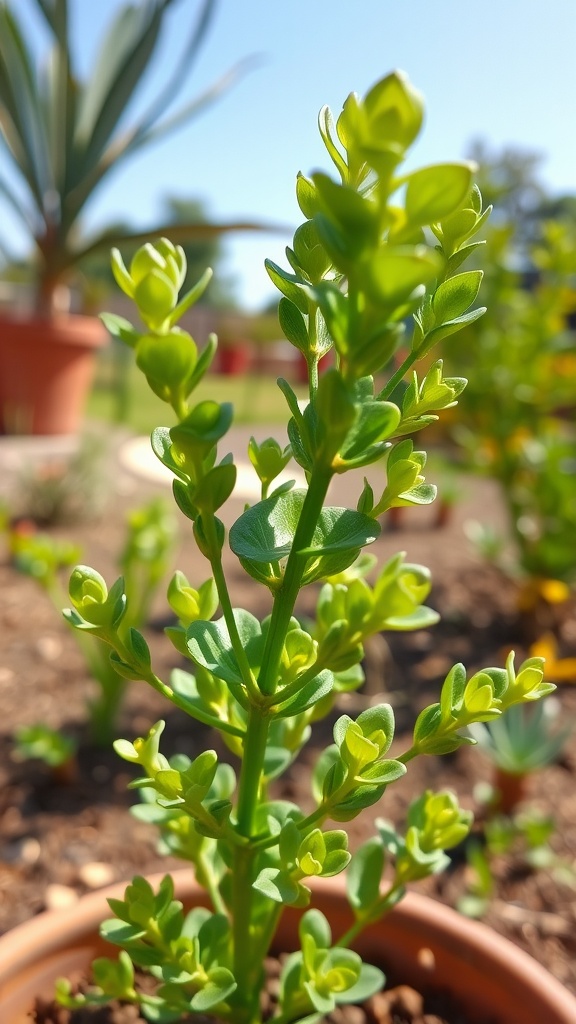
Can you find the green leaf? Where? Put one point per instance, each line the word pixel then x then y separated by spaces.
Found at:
pixel 120 932
pixel 120 328
pixel 370 982
pixel 310 253
pixel 202 428
pixel 162 447
pixel 277 885
pixel 265 532
pixel 452 693
pixel 435 192
pixel 396 271
pixel 376 422
pixel 448 328
pixel 220 985
pixel 395 109
pixel 215 487
pixel 310 694
pixel 293 325
pixel 181 492
pixel 458 258
pixel 357 217
pixel 315 925
pixel 210 646
pixel 155 296
pixel 365 874
pixel 306 195
pixel 138 648
pixel 326 128
pixel 123 57
pixel 456 295
pixel 427 723
pixel 290 285
pixel 166 361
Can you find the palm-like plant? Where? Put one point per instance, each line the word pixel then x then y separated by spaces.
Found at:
pixel 63 135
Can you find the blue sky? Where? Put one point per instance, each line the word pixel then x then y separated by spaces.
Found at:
pixel 503 70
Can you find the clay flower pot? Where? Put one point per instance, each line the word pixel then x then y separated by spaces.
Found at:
pixel 46 369
pixel 421 943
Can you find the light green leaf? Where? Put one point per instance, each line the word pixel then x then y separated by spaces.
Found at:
pixel 456 295
pixel 210 646
pixel 436 192
pixel 309 695
pixel 365 874
pixel 219 986
pixel 396 271
pixel 265 532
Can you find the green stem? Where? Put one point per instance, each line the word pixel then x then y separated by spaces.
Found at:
pixel 224 596
pixel 180 702
pixel 246 968
pixel 375 912
pixel 285 598
pixel 209 880
pixel 104 709
pixel 251 770
pixel 181 408
pixel 246 964
pixel 398 376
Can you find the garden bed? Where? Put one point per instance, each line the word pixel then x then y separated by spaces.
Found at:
pixel 59 839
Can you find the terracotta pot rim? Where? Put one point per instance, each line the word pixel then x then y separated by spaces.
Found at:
pixel 41 936
pixel 77 329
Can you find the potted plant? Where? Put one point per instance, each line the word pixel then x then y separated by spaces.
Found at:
pixel 63 137
pixel 360 266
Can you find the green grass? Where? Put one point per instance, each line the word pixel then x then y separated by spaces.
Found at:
pixel 129 401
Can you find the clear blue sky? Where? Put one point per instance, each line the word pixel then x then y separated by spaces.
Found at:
pixel 503 70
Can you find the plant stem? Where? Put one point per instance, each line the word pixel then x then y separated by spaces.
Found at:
pixel 376 911
pixel 246 960
pixel 224 596
pixel 246 964
pixel 251 770
pixel 285 598
pixel 398 376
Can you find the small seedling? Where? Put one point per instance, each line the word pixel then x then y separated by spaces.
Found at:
pixel 144 560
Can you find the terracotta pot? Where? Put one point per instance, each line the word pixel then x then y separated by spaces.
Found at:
pixel 234 359
pixel 46 369
pixel 422 943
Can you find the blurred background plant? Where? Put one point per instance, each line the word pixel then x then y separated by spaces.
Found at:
pixel 143 561
pixel 518 746
pixel 64 135
pixel 516 419
pixel 62 490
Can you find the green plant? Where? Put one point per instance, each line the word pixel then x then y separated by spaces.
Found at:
pixel 361 265
pixel 523 354
pixel 521 837
pixel 39 741
pixel 143 560
pixel 518 744
pixel 63 490
pixel 63 136
pixel 525 740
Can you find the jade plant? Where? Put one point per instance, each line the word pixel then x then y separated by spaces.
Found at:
pixel 365 275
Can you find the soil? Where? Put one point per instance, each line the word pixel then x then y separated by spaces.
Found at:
pixel 61 837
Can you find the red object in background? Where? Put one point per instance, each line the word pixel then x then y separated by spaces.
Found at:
pixel 46 369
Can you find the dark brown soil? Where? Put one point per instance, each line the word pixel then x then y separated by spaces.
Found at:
pixel 57 839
